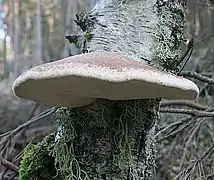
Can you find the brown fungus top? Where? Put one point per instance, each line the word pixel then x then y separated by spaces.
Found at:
pixel 80 80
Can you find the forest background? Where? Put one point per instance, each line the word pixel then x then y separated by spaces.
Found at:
pixel 33 32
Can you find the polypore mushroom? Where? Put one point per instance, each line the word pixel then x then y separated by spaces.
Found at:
pixel 80 80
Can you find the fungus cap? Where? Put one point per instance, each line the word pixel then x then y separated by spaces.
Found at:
pixel 80 80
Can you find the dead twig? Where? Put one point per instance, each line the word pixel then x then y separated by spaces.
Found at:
pixel 207 152
pixel 197 76
pixel 195 167
pixel 9 165
pixel 7 140
pixel 187 103
pixel 173 130
pixel 33 111
pixel 33 120
pixel 181 124
pixel 192 132
pixel 187 112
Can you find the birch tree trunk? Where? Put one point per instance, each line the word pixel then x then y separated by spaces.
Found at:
pixel 114 140
pixel 70 15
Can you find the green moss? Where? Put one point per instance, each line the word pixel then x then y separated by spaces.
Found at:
pixel 36 162
pixel 26 161
pixel 89 36
pixel 98 140
pixel 104 140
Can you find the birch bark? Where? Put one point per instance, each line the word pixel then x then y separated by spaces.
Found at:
pixel 114 140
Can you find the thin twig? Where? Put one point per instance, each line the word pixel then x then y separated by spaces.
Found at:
pixel 33 120
pixel 207 152
pixel 187 103
pixel 182 128
pixel 207 73
pixel 30 117
pixel 177 123
pixel 8 137
pixel 9 165
pixel 187 112
pixel 193 130
pixel 4 172
pixel 197 76
pixel 14 176
pixel 33 111
pixel 189 51
pixel 196 163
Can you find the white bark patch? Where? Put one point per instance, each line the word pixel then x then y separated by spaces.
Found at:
pixel 129 28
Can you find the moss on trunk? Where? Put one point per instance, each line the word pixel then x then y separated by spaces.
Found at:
pixel 107 140
pixel 37 163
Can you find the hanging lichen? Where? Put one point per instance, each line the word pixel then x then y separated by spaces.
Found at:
pixel 169 38
pixel 63 151
pixel 100 140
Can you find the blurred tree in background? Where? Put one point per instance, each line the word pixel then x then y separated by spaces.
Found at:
pixel 37 27
pixel 36 31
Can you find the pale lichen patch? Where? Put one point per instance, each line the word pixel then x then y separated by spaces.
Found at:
pixel 169 33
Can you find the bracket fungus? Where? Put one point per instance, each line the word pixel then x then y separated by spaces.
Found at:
pixel 80 80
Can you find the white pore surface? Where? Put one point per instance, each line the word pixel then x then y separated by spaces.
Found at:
pixel 78 81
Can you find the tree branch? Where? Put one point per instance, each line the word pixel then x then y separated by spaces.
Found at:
pixel 33 120
pixel 207 152
pixel 197 76
pixel 207 73
pixel 187 111
pixel 187 103
pixel 187 120
pixel 7 140
pixel 9 165
pixel 172 126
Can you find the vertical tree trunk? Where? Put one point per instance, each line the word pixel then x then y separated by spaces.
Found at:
pixel 9 9
pixel 108 140
pixel 70 15
pixel 16 50
pixel 39 54
pixel 5 54
pixel 114 140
